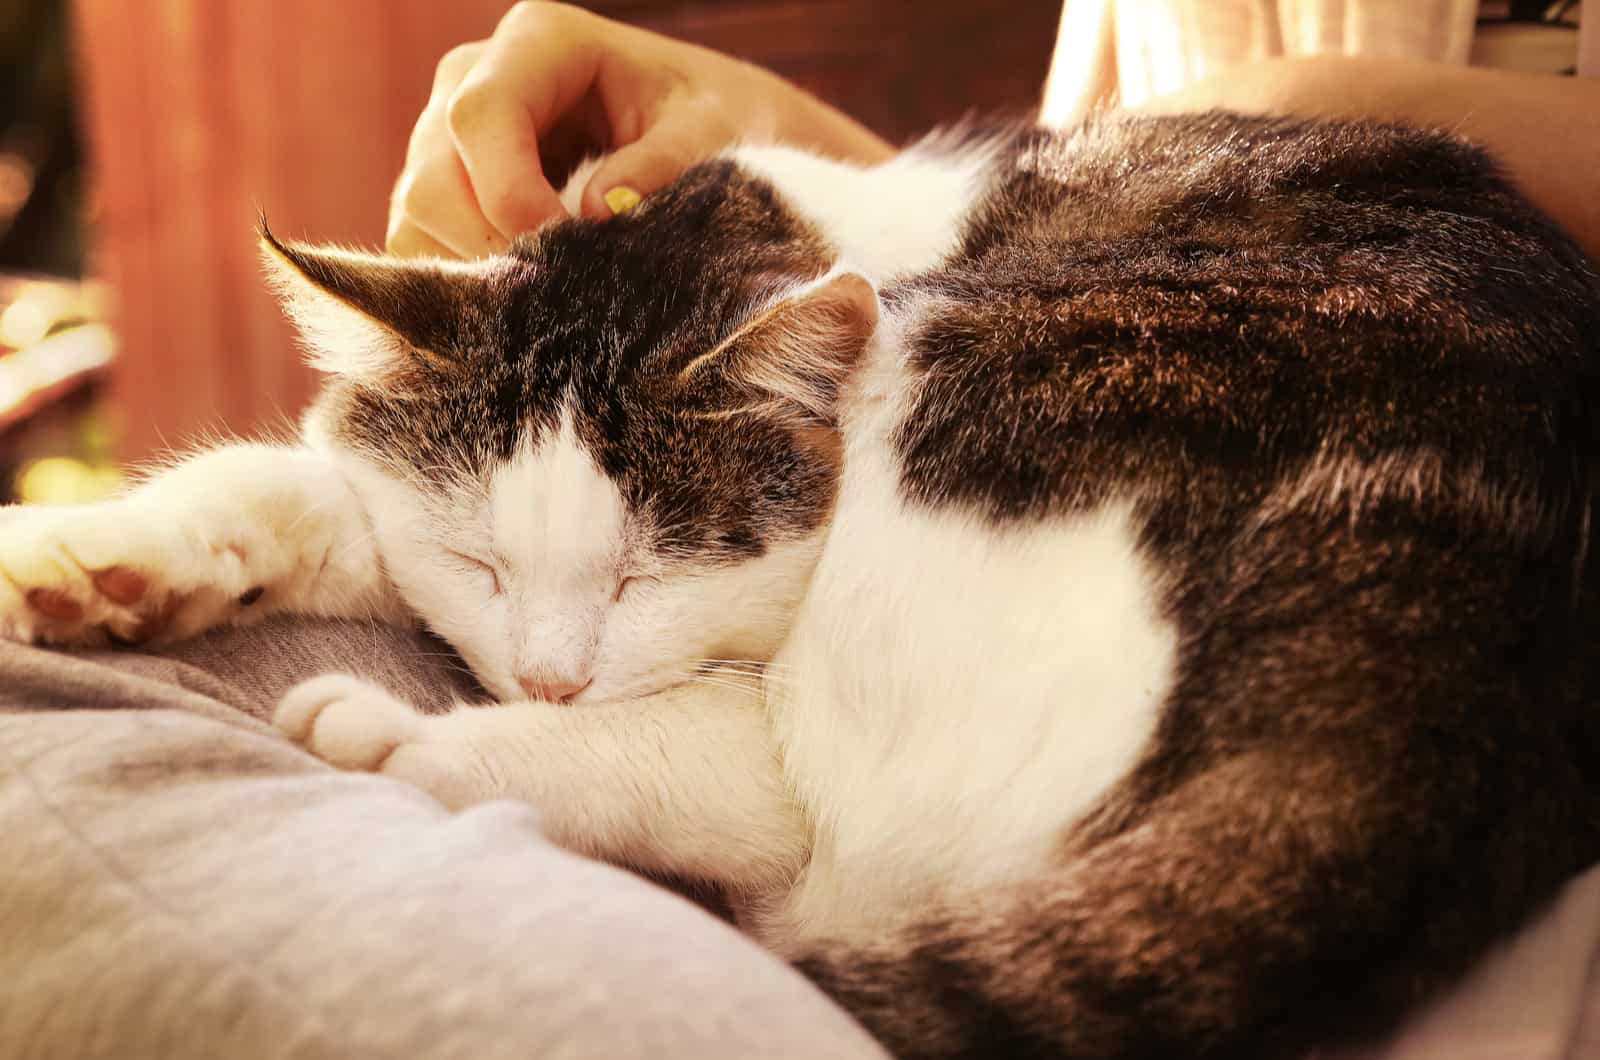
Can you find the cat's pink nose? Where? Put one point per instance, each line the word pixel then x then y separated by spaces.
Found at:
pixel 557 691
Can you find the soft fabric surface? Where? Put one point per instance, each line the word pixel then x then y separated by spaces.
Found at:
pixel 179 882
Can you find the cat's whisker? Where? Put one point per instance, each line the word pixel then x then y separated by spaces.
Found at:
pixel 752 688
pixel 703 677
pixel 749 666
pixel 766 677
pixel 754 694
pixel 736 676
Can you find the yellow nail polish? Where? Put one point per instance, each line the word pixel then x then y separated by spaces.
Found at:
pixel 621 199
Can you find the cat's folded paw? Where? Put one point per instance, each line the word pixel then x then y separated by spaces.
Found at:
pixel 347 721
pixel 354 724
pixel 107 573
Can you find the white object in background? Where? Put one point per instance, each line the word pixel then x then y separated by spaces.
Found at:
pixel 1589 41
pixel 1129 51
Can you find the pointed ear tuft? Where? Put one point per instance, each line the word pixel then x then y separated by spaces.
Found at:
pixel 364 315
pixel 801 349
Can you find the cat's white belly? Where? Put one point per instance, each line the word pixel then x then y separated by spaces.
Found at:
pixel 955 696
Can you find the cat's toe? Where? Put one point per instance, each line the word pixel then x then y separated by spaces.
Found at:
pixel 101 574
pixel 18 621
pixel 49 595
pixel 347 722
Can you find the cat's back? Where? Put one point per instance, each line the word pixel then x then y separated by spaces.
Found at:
pixel 1145 297
pixel 1207 426
pixel 1201 658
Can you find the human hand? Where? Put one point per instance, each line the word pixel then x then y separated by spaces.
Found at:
pixel 555 82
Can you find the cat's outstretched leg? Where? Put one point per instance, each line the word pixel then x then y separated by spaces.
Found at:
pixel 687 781
pixel 227 535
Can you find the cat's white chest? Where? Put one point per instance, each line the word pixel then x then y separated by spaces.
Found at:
pixel 957 694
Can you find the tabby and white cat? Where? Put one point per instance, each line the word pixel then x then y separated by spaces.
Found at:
pixel 1172 536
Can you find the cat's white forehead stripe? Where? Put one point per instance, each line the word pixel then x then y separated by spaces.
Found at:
pixel 552 501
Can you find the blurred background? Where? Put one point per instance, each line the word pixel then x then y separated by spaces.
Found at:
pixel 139 138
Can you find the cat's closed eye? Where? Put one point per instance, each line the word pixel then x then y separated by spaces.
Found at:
pixel 623 586
pixel 473 561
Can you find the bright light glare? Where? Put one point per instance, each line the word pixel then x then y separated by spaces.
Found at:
pixel 74 351
pixel 34 311
pixel 63 480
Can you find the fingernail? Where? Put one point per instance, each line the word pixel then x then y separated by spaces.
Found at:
pixel 621 199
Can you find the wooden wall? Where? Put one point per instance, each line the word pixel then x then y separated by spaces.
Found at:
pixel 199 112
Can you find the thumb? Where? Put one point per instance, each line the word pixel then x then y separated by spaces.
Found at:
pixel 653 161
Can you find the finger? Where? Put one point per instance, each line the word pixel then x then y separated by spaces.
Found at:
pixel 652 162
pixel 432 195
pixel 538 66
pixel 499 150
pixel 453 66
pixel 409 241
pixel 435 197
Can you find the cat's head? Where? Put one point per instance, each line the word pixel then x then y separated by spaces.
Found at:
pixel 606 456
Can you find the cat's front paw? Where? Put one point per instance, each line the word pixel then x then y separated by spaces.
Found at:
pixel 106 572
pixel 347 722
pixel 354 724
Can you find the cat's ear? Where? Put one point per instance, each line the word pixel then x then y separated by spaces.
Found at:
pixel 800 349
pixel 365 315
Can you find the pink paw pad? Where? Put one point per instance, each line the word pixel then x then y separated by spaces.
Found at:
pixel 53 603
pixel 120 585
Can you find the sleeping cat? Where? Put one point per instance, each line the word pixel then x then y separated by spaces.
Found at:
pixel 1170 539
